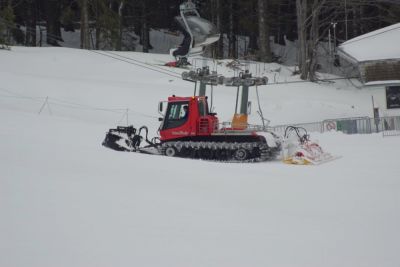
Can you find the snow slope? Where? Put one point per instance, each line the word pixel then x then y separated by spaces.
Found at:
pixel 88 78
pixel 67 201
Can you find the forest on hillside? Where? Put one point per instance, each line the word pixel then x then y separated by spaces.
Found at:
pixel 120 24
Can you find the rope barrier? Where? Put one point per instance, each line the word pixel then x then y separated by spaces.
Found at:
pixel 73 106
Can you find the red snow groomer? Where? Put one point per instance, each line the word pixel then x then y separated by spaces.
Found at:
pixel 188 129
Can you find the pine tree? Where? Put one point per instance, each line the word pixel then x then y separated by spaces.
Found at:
pixel 53 14
pixel 7 19
pixel 31 19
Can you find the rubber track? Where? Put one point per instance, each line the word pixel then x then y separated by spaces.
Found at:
pixel 221 151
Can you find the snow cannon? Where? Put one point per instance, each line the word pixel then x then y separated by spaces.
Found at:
pixel 300 150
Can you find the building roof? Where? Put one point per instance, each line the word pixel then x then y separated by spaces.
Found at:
pixel 383 83
pixel 377 45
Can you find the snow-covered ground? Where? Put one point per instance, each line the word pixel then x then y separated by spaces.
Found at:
pixel 67 201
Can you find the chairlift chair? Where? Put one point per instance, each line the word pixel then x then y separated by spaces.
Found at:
pixel 198 32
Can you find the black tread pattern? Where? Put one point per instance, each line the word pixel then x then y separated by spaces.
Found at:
pixel 221 151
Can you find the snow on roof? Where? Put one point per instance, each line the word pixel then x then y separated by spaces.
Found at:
pixel 376 45
pixel 380 83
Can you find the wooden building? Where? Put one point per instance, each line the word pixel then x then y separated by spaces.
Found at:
pixel 376 58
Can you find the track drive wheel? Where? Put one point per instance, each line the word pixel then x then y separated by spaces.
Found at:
pixel 241 154
pixel 171 151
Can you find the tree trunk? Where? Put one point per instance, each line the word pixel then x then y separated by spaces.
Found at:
pixel 308 44
pixel 53 22
pixel 84 25
pixel 253 46
pixel 314 40
pixel 289 25
pixel 263 32
pixel 231 32
pixel 217 51
pixel 355 22
pixel 363 27
pixel 119 42
pixel 220 45
pixel 30 39
pixel 97 25
pixel 145 33
pixel 301 9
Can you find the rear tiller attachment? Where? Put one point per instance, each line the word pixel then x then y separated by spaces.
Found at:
pixel 299 149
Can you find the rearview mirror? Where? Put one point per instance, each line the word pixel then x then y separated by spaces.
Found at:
pixel 160 107
pixel 249 108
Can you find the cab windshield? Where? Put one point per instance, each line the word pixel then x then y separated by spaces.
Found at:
pixel 177 114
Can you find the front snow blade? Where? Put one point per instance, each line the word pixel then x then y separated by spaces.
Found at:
pixel 127 138
pixel 117 141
